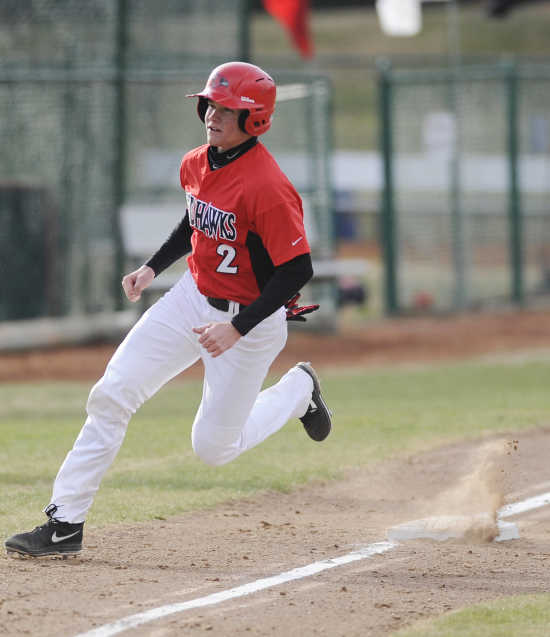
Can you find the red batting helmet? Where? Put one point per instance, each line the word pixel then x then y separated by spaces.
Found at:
pixel 243 86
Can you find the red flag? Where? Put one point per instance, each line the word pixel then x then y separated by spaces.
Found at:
pixel 294 16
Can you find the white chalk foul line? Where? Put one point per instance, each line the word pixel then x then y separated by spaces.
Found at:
pixel 240 591
pixel 536 502
pixel 377 548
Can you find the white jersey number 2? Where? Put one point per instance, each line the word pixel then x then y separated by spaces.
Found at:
pixel 228 253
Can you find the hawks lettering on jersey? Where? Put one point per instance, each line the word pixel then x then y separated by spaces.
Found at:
pixel 247 219
pixel 211 221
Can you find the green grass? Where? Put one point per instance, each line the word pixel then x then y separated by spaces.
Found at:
pixel 526 615
pixel 377 414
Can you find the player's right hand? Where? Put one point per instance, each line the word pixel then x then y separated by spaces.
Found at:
pixel 135 282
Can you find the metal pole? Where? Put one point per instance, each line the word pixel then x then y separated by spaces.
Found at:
pixel 120 120
pixel 245 15
pixel 387 205
pixel 70 229
pixel 457 212
pixel 514 203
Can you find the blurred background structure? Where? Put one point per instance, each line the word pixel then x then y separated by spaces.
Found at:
pixel 422 157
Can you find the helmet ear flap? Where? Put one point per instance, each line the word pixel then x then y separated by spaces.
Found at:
pixel 242 120
pixel 202 105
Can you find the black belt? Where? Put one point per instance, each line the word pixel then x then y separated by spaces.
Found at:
pixel 222 304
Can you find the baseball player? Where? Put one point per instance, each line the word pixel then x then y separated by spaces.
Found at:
pixel 249 257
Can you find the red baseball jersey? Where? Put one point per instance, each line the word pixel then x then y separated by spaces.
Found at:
pixel 248 196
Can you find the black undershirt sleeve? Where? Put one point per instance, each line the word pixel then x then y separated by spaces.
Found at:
pixel 288 278
pixel 176 246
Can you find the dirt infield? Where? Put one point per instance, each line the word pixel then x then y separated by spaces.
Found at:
pixel 132 568
pixel 128 569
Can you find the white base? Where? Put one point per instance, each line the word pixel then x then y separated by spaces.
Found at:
pixel 448 527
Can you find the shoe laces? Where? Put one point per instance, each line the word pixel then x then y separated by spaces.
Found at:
pixel 50 512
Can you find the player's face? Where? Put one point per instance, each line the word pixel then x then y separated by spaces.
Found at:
pixel 222 127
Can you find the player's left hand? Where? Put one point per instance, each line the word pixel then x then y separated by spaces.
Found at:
pixel 216 338
pixel 295 312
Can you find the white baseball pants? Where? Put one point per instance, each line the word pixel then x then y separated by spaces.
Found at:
pixel 234 415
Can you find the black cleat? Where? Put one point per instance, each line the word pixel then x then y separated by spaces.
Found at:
pixel 53 538
pixel 317 419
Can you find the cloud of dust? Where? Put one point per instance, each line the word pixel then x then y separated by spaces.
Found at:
pixel 475 500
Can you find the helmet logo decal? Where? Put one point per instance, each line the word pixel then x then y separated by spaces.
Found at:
pixel 248 99
pixel 220 80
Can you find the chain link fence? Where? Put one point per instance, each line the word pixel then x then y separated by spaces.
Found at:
pixel 467 175
pixel 93 117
